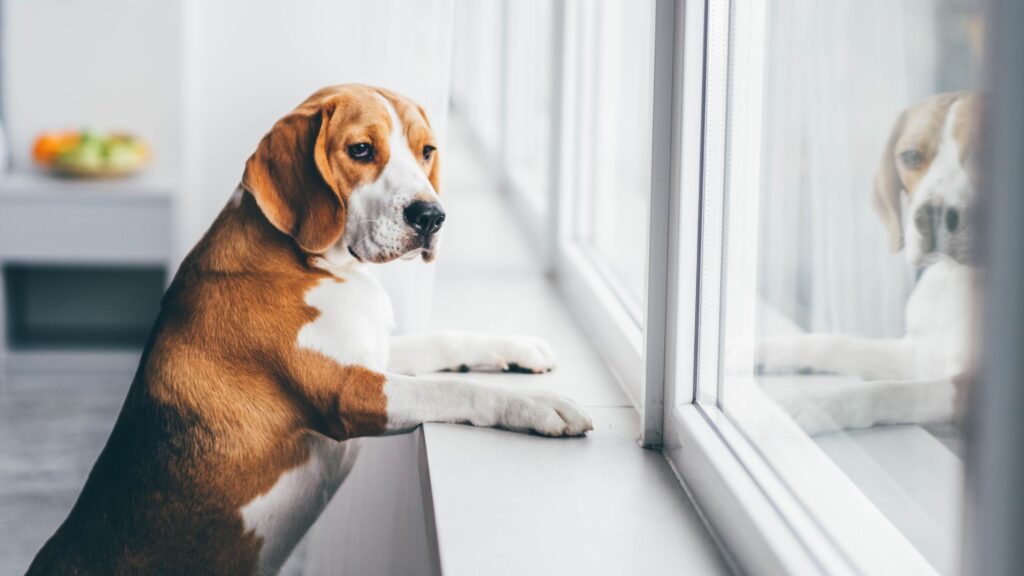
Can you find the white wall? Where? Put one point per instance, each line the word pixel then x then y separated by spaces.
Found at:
pixel 250 62
pixel 105 64
pixel 203 81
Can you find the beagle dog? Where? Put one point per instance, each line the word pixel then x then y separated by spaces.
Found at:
pixel 924 195
pixel 272 349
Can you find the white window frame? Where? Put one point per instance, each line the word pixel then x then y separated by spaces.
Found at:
pixel 591 292
pixel 804 518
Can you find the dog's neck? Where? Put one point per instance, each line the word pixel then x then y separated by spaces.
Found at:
pixel 338 260
pixel 242 241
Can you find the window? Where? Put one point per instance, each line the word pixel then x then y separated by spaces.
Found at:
pixel 529 100
pixel 612 150
pixel 605 178
pixel 813 171
pixel 558 95
pixel 750 198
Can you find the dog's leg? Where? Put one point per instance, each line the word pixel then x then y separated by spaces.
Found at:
pixel 463 351
pixel 867 358
pixel 412 401
pixel 828 407
pixel 349 401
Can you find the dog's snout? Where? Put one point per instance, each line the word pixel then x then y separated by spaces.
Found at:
pixel 925 218
pixel 952 219
pixel 935 217
pixel 425 217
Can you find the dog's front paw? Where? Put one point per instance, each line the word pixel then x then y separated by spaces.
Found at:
pixel 519 354
pixel 544 413
pixel 773 356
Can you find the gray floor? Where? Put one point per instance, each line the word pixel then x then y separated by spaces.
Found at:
pixel 51 430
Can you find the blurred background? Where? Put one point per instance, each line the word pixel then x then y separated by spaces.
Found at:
pixel 125 125
pixel 125 128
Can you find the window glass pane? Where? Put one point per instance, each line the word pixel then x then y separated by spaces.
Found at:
pixel 848 252
pixel 477 64
pixel 528 97
pixel 614 139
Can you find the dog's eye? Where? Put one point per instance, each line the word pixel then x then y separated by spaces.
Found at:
pixel 428 151
pixel 912 159
pixel 362 152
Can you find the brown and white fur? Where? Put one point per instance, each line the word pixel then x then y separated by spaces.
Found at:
pixel 929 159
pixel 272 347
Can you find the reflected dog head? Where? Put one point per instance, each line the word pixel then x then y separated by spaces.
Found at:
pixel 352 168
pixel 930 157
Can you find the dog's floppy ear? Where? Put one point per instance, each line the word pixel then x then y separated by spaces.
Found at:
pixel 888 185
pixel 435 173
pixel 435 168
pixel 290 177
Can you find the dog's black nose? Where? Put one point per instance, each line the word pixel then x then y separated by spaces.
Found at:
pixel 425 217
pixel 952 219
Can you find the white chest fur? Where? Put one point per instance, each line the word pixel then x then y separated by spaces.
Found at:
pixel 353 327
pixel 355 319
pixel 939 321
pixel 281 516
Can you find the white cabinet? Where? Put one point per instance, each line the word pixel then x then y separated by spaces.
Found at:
pixel 55 237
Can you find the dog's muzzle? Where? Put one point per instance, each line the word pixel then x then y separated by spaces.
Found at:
pixel 945 230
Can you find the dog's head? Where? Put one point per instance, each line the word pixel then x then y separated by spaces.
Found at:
pixel 354 168
pixel 930 156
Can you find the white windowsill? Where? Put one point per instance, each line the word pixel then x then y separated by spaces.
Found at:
pixel 514 504
pixel 507 503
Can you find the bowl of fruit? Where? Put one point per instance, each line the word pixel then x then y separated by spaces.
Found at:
pixel 89 154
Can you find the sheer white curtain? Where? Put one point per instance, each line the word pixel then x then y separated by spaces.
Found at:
pixel 529 47
pixel 477 66
pixel 837 74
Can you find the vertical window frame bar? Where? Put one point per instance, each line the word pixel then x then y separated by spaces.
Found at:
pixel 660 306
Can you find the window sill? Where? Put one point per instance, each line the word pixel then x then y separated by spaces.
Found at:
pixel 514 504
pixel 506 503
pixel 766 516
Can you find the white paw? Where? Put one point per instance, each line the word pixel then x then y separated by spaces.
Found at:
pixel 772 356
pixel 782 355
pixel 518 354
pixel 544 413
pixel 742 359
